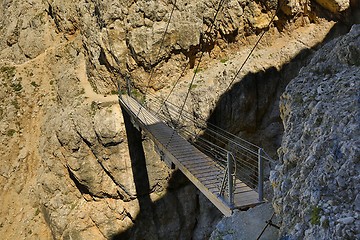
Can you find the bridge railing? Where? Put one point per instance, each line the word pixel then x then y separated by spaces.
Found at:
pixel 240 158
pixel 244 158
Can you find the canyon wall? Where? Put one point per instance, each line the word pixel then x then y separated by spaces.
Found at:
pixel 66 171
pixel 316 190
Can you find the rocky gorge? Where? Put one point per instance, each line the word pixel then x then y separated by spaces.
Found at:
pixel 66 172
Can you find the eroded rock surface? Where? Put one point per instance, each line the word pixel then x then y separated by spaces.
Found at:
pixel 316 185
pixel 66 171
pixel 249 224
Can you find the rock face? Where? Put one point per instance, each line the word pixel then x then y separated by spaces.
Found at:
pixel 247 225
pixel 335 6
pixel 66 171
pixel 316 185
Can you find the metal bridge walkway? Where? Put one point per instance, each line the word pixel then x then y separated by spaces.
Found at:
pixel 206 174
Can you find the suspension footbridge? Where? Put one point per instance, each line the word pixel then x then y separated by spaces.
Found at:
pixel 230 178
pixel 228 170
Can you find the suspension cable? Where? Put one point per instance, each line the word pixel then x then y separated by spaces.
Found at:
pixel 210 148
pixel 158 53
pixel 198 64
pixel 182 110
pixel 254 47
pixel 186 65
pixel 210 130
pixel 205 122
pixel 221 132
pixel 267 157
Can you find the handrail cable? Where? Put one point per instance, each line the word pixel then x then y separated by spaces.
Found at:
pixel 217 138
pixel 226 138
pixel 213 146
pixel 213 125
pixel 197 67
pixel 185 67
pixel 193 120
pixel 241 161
pixel 216 135
pixel 189 133
pixel 238 151
pixel 210 149
pixel 235 76
pixel 253 48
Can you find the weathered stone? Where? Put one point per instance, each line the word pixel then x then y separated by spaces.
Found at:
pixel 321 177
pixel 66 171
pixel 292 7
pixel 108 126
pixel 335 6
pixel 357 202
pixel 247 224
pixel 347 220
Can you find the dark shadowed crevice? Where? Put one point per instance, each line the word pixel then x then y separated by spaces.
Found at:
pixel 125 195
pixel 81 187
pixel 111 144
pixel 103 61
pixel 231 37
pixel 50 11
pixel 121 196
pixel 97 11
pixel 88 143
pixel 197 209
pixel 47 217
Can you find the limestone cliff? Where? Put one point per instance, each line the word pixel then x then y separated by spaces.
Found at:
pixel 66 171
pixel 316 185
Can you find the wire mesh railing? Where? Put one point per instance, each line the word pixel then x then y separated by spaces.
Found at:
pixel 241 159
pixel 216 143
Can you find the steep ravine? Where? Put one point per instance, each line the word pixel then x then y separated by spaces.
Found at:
pixel 66 171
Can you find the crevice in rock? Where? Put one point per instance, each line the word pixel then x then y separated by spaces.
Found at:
pixel 180 211
pixel 97 11
pixel 127 214
pixel 97 14
pixel 231 37
pixel 96 225
pixel 81 187
pixel 121 196
pixel 48 220
pixel 103 60
pixel 60 142
pixel 56 18
pixel 156 187
pixel 88 143
pixel 50 11
pixel 95 153
pixel 111 144
pixel 206 45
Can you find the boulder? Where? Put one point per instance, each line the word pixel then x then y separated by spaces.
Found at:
pixel 335 6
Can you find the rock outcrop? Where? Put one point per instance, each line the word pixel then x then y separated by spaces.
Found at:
pixel 248 225
pixel 335 6
pixel 316 185
pixel 66 171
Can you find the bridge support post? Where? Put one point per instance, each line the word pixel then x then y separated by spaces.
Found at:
pixel 260 175
pixel 230 168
